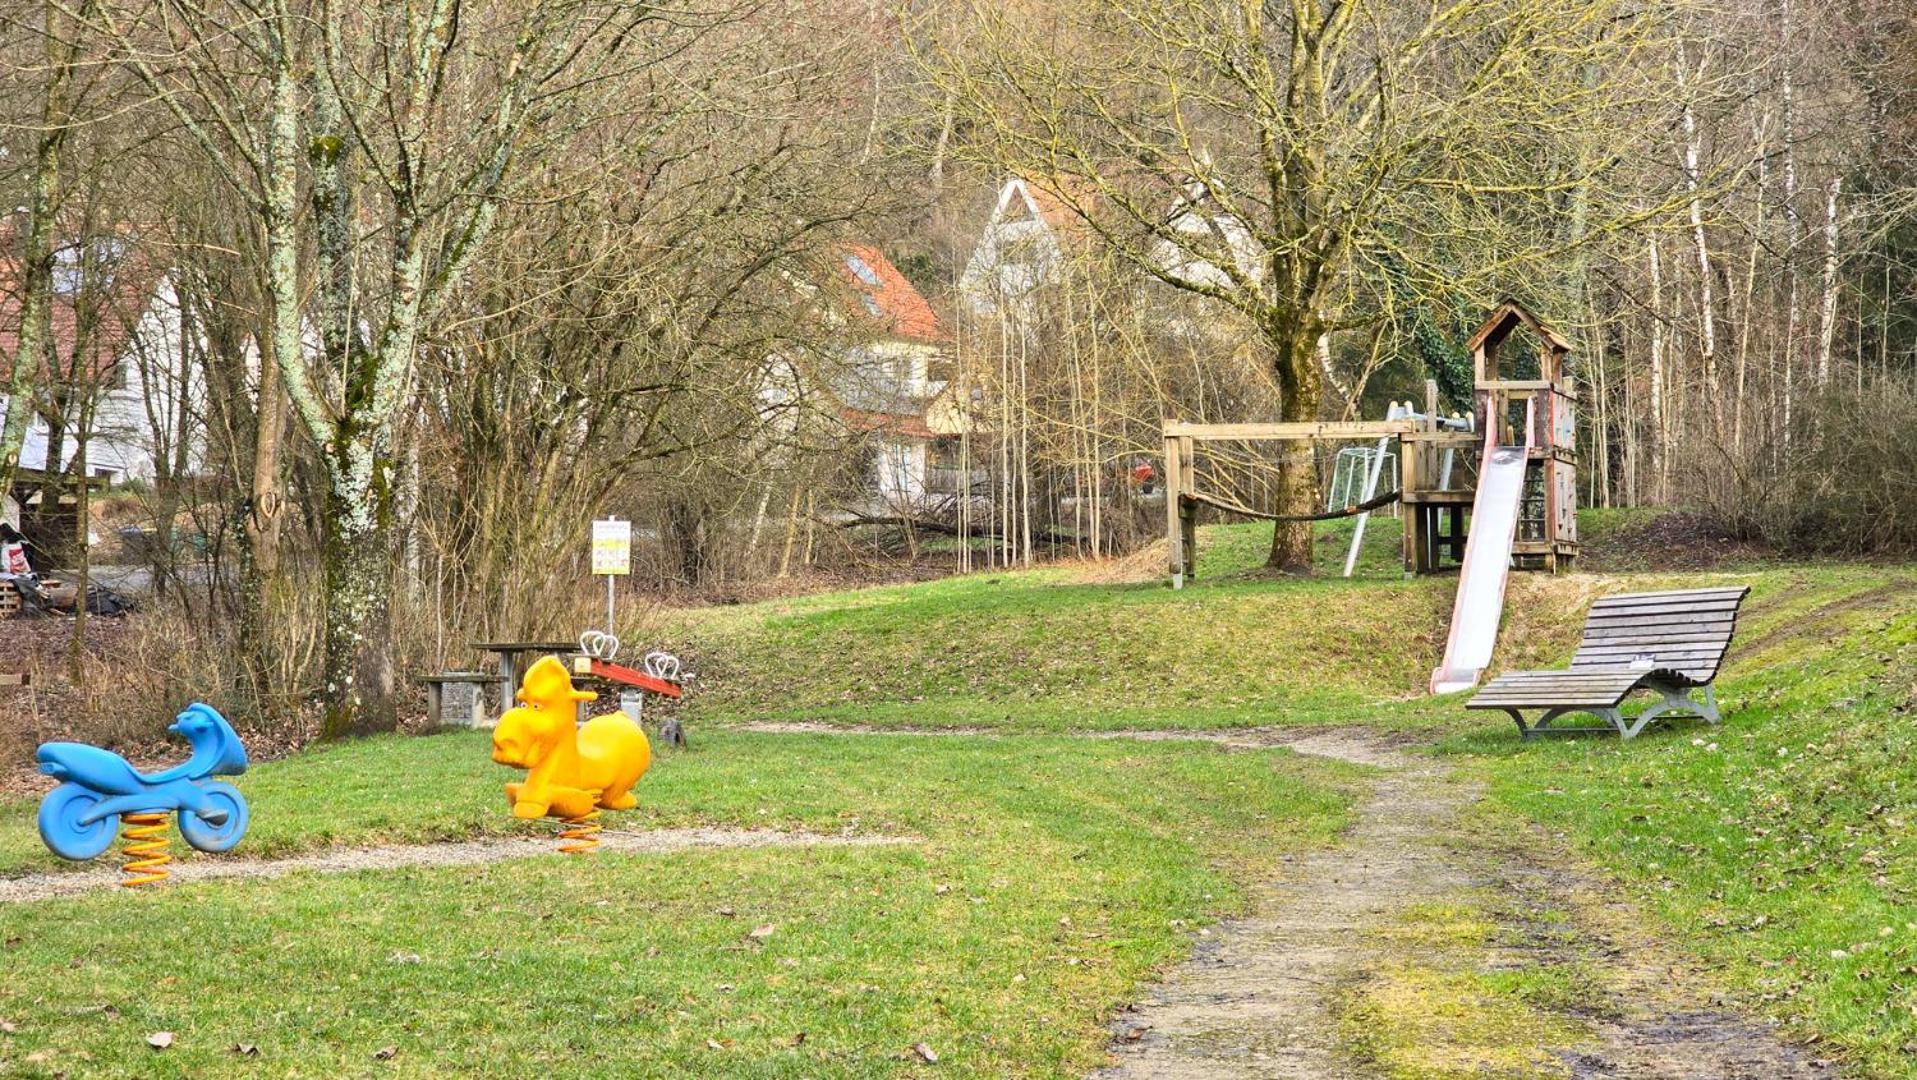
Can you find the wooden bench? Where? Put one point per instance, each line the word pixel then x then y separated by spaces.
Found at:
pixel 1669 643
pixel 436 694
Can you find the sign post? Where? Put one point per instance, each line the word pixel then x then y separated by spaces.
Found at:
pixel 611 556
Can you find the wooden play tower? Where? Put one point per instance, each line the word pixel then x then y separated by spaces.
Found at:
pixel 1523 400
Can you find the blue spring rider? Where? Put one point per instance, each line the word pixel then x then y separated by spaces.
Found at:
pixel 80 818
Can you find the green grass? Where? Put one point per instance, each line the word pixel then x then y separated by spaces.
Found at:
pixel 1045 651
pixel 1778 846
pixel 1783 872
pixel 1050 877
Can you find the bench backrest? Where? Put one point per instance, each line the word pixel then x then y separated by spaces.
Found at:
pixel 1685 631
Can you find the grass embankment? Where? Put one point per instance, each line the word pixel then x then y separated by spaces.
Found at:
pixel 1056 649
pixel 1050 878
pixel 1777 846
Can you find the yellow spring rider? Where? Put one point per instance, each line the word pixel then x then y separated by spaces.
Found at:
pixel 573 770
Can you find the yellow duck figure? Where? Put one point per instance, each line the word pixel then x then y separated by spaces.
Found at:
pixel 570 768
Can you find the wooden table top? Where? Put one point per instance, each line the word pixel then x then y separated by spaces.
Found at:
pixel 527 646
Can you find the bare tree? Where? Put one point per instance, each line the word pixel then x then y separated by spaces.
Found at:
pixel 1325 139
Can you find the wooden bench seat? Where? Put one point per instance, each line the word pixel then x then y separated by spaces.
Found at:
pixel 1669 643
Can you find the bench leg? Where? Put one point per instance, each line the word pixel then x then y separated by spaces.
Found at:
pixel 435 700
pixel 1609 715
pixel 1523 731
pixel 1677 701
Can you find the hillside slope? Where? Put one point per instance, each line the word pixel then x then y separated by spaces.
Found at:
pixel 1777 847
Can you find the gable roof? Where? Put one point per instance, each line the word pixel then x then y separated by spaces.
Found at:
pixel 886 296
pixel 1508 316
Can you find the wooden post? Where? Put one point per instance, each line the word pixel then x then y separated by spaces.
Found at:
pixel 1188 515
pixel 1174 534
pixel 1410 470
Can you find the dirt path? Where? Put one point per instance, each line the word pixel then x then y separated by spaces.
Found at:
pixel 462 853
pixel 1425 945
pixel 1385 956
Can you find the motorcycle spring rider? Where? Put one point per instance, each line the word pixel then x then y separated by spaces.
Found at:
pixel 100 791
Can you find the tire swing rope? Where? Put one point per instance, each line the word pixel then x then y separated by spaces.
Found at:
pixel 580 835
pixel 143 846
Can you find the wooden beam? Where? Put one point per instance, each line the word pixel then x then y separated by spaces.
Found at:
pixel 1174 487
pixel 1330 429
pixel 1529 386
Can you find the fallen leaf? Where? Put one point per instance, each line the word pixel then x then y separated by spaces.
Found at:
pixel 941 890
pixel 245 1049
pixel 1135 1032
pixel 727 911
pixel 386 1053
pixel 160 1040
pixel 8 1027
pixel 926 1053
pixel 403 958
pixel 714 1044
pixel 798 1039
pixel 762 931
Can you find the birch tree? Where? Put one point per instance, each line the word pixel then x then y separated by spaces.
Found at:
pixel 374 147
pixel 62 54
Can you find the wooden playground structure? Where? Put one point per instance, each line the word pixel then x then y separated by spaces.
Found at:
pixel 1437 490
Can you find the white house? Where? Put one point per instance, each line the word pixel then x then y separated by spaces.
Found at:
pixel 1021 249
pixel 116 333
pixel 1204 237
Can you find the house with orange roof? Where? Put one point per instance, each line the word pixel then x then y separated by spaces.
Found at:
pixel 116 343
pixel 888 387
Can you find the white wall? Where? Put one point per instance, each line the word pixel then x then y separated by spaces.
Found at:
pixel 125 438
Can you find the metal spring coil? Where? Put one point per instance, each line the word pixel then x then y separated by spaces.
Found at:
pixel 143 846
pixel 581 834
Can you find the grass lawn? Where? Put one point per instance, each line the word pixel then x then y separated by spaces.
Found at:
pixel 1781 846
pixel 1051 878
pixel 1778 847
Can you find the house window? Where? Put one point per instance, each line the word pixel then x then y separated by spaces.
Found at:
pixel 863 271
pixel 67 273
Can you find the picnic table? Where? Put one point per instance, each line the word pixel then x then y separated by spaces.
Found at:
pixel 512 661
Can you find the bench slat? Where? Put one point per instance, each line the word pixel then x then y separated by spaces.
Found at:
pixel 1600 616
pixel 1675 594
pixel 1647 635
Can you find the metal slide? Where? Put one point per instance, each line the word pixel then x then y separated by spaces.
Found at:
pixel 1487 561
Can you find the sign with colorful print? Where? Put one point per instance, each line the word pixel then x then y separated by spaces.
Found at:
pixel 612 547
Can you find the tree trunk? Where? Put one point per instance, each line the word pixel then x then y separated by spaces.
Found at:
pixel 1659 427
pixel 1706 302
pixel 1300 379
pixel 1827 327
pixel 36 285
pixel 358 665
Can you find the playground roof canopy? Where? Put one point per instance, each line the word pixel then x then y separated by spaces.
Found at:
pixel 1508 315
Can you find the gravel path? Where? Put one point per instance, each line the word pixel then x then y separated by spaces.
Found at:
pixel 461 853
